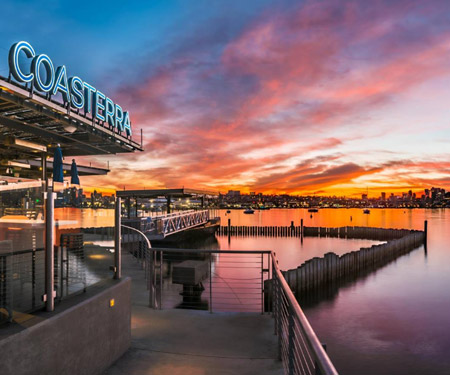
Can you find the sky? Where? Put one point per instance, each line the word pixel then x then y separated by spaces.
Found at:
pixel 301 97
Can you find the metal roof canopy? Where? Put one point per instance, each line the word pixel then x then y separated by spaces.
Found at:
pixel 174 193
pixel 83 170
pixel 29 116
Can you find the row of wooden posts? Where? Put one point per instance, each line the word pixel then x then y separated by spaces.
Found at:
pixel 318 272
pixel 378 234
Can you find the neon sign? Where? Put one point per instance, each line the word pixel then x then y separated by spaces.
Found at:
pixel 80 94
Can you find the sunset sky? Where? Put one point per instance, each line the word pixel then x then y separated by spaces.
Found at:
pixel 324 97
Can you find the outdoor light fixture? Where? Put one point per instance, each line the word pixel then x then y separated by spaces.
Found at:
pixel 69 128
pixel 20 143
pixel 10 163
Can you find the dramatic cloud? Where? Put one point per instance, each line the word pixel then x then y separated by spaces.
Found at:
pixel 294 101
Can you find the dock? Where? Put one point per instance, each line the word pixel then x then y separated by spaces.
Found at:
pixel 176 342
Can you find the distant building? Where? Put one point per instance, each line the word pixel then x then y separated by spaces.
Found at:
pixel 364 197
pixel 383 196
pixel 234 193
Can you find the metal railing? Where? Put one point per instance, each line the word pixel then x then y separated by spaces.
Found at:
pixel 298 346
pixel 179 222
pixel 168 224
pixel 210 280
pixel 22 282
pixel 219 280
pixel 136 242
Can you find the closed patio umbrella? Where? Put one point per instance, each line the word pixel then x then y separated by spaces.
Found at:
pixel 74 179
pixel 58 175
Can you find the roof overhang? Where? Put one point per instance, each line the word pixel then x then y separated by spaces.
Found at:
pixel 32 168
pixel 30 119
pixel 175 193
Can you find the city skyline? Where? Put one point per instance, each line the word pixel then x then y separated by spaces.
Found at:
pixel 274 97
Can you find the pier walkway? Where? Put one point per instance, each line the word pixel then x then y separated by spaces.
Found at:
pixel 191 342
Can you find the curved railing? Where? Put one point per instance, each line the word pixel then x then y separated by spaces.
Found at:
pixel 298 346
pixel 138 244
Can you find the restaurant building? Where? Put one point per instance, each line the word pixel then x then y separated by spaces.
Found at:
pixel 49 255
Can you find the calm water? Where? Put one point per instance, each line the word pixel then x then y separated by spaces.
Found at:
pixel 396 320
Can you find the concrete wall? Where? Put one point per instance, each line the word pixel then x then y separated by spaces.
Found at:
pixel 83 339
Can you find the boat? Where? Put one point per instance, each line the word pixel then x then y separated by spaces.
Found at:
pixel 313 210
pixel 248 211
pixel 228 212
pixel 366 211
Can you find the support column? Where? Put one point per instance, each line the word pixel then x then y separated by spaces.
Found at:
pixel 117 237
pixel 169 200
pixel 49 251
pixel 44 170
pixel 129 207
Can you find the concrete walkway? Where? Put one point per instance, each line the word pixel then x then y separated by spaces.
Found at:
pixel 189 342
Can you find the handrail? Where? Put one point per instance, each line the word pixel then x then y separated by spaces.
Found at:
pixel 282 291
pixel 323 361
pixel 176 250
pixel 20 252
pixel 138 231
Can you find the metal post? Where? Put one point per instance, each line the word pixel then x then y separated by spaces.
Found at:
pixel 168 203
pixel 269 292
pixel 210 283
pixel 160 279
pixel 44 170
pixel 279 314
pixel 154 278
pixel 262 283
pixel 291 341
pixel 150 270
pixel 229 230
pixel 117 238
pixel 49 251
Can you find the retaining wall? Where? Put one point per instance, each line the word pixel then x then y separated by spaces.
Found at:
pixel 83 339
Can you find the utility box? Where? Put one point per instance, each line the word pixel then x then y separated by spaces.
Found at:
pixel 190 272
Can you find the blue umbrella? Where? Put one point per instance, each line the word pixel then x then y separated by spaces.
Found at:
pixel 75 180
pixel 58 165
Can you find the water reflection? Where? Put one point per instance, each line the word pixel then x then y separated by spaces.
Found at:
pixel 394 321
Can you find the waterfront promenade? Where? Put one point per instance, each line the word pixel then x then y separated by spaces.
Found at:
pixel 191 342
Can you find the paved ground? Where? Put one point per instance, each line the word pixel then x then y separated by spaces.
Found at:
pixel 188 342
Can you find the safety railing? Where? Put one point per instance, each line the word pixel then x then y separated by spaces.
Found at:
pixel 22 281
pixel 211 280
pixel 298 346
pixel 232 280
pixel 136 242
pixel 171 224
